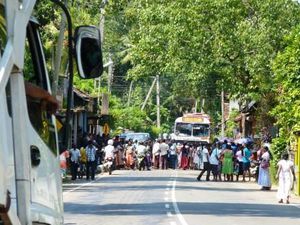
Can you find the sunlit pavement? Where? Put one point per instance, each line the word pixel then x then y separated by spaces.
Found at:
pixel 172 197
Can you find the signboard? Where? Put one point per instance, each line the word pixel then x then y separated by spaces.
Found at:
pixel 106 129
pixel 192 119
pixel 58 124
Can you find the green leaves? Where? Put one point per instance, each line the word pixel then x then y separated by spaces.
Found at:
pixel 286 70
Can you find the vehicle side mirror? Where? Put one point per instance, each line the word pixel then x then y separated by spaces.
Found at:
pixel 88 52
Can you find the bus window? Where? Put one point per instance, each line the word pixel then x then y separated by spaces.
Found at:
pixel 200 130
pixel 184 129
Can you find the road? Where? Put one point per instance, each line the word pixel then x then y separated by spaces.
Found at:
pixel 172 197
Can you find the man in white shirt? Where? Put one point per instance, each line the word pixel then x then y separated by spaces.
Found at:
pixel 75 156
pixel 205 156
pixel 163 147
pixel 215 161
pixel 156 154
pixel 141 154
pixel 109 150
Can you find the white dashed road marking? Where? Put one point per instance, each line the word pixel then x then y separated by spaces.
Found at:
pixel 84 184
pixel 177 211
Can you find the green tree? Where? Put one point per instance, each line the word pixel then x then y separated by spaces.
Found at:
pixel 287 86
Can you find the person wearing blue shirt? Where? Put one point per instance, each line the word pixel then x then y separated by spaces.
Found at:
pixel 246 161
pixel 234 147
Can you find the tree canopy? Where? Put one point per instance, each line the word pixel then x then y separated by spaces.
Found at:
pixel 247 48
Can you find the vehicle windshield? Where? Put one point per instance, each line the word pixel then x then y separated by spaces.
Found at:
pixel 137 136
pixel 184 129
pixel 200 130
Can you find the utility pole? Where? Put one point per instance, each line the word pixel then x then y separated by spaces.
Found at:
pixel 202 105
pixel 149 93
pixel 129 94
pixel 222 109
pixel 98 90
pixel 97 82
pixel 110 74
pixel 158 101
pixel 102 19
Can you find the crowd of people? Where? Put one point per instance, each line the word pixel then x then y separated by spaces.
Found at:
pixel 223 159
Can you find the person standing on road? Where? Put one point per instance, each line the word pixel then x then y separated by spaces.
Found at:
pixel 227 167
pixel 63 163
pixel 164 148
pixel 239 161
pixel 82 162
pixel 214 162
pixel 205 157
pixel 246 161
pixel 184 157
pixel 75 157
pixel 141 155
pixel 91 160
pixel 173 156
pixel 264 178
pixel 156 154
pixel 130 155
pixel 285 169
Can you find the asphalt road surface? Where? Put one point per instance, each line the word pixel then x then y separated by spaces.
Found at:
pixel 172 197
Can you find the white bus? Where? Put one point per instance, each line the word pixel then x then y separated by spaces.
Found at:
pixel 192 127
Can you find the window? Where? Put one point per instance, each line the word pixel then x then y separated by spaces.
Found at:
pixel 200 130
pixel 35 76
pixel 184 129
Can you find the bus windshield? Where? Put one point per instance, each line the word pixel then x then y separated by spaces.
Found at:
pixel 200 130
pixel 184 129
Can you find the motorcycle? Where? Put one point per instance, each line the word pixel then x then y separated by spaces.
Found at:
pixel 141 161
pixel 109 165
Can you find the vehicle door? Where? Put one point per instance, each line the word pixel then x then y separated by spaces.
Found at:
pixel 46 193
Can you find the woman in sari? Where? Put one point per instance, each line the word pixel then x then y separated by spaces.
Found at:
pixel 130 156
pixel 264 179
pixel 184 157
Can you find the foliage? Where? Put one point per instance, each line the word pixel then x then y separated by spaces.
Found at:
pixel 131 118
pixel 204 46
pixel 247 48
pixel 287 85
pixel 286 68
pixel 279 145
pixel 230 124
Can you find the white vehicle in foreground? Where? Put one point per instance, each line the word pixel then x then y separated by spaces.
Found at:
pixel 30 180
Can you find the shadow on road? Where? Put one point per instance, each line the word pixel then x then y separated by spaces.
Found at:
pixel 145 187
pixel 209 208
